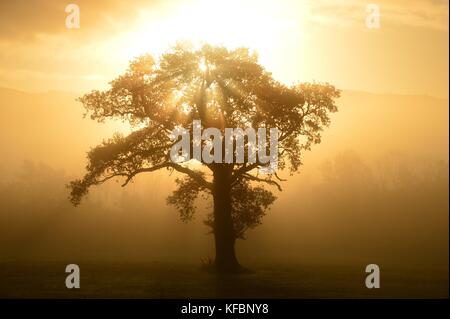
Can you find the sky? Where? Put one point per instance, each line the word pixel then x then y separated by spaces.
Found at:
pixel 374 190
pixel 298 41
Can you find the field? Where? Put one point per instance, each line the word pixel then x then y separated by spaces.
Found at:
pixel 158 280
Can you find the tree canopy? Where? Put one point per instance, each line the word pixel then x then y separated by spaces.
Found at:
pixel 222 88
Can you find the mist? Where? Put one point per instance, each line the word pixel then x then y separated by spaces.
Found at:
pixel 374 191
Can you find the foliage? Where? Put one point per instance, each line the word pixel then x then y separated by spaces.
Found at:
pixel 222 88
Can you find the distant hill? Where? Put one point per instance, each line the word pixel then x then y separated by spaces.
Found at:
pixel 363 207
pixel 49 127
pixel 373 124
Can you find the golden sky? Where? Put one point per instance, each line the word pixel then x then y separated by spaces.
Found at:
pixel 310 40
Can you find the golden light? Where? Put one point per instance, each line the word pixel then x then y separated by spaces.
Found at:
pixel 202 66
pixel 259 25
pixel 265 26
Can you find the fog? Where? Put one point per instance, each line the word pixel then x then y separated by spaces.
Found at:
pixel 374 191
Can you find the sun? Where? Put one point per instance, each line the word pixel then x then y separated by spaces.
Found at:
pixel 202 66
pixel 258 25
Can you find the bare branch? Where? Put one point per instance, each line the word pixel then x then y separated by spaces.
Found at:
pixel 193 174
pixel 244 169
pixel 279 178
pixel 262 180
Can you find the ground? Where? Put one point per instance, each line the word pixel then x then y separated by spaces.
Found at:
pixel 162 280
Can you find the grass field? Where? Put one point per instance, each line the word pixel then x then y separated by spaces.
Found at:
pixel 160 280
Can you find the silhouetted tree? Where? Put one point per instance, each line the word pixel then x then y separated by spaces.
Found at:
pixel 222 88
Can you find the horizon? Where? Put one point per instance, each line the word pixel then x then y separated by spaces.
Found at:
pixel 306 41
pixel 298 147
pixel 343 90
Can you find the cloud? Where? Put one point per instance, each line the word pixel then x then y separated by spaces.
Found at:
pixel 38 52
pixel 24 20
pixel 431 14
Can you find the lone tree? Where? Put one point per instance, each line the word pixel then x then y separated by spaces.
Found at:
pixel 223 89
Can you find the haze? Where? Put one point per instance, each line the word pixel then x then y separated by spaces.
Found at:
pixel 375 189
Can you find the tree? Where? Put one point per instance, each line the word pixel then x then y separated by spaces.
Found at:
pixel 223 88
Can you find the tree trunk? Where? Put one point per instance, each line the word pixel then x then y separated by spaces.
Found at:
pixel 223 224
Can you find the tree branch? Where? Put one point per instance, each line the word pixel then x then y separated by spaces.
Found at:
pixel 129 176
pixel 263 180
pixel 195 175
pixel 244 169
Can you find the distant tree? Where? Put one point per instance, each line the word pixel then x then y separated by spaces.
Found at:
pixel 222 88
